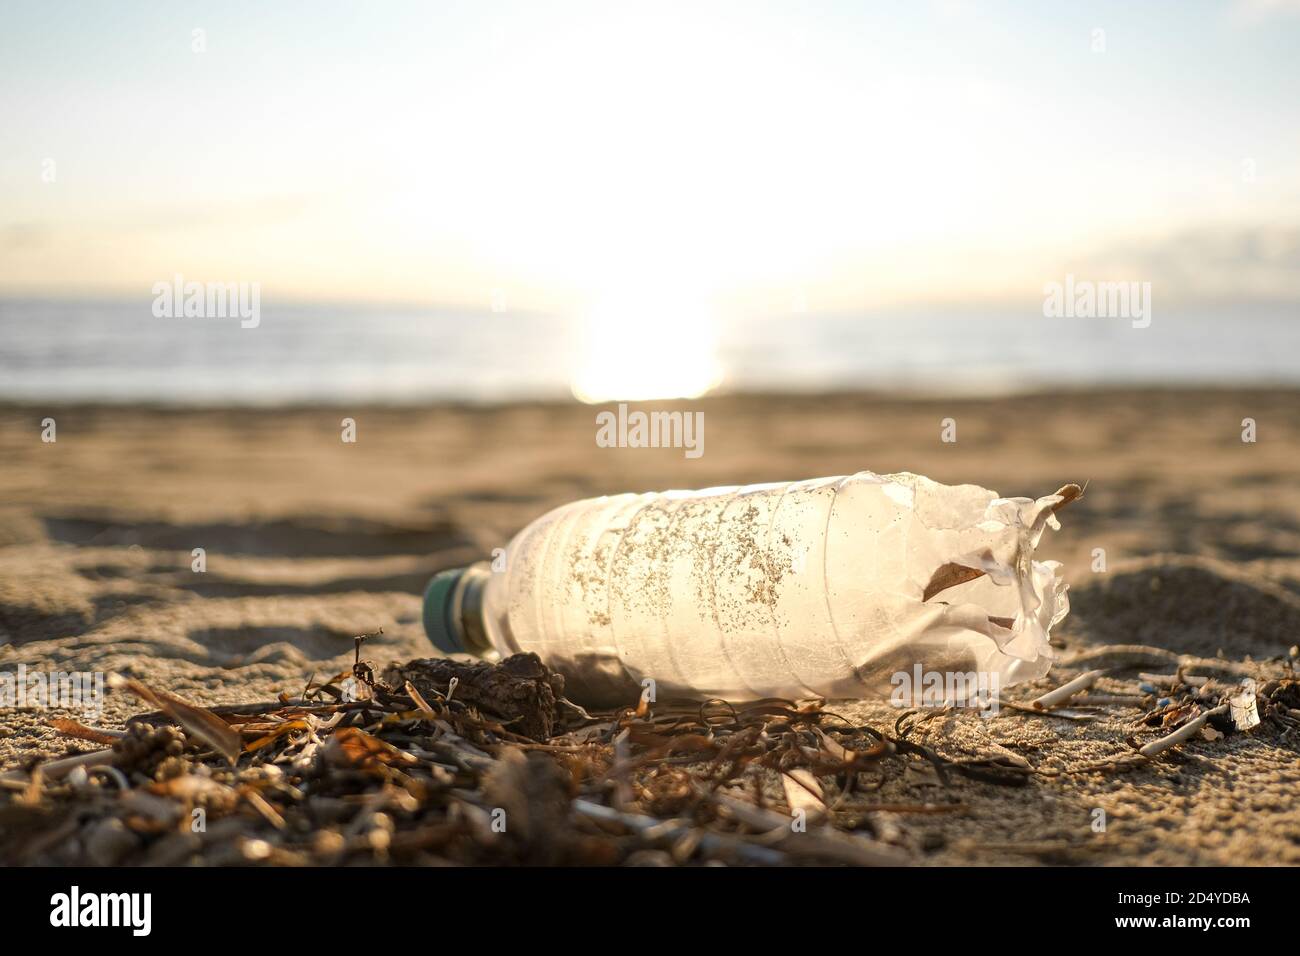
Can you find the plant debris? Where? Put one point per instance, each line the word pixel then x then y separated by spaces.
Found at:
pixel 441 761
pixel 438 761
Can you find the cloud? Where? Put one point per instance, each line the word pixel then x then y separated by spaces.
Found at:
pixel 1209 263
pixel 22 235
pixel 1255 11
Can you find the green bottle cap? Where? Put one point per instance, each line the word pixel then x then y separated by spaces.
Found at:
pixel 439 621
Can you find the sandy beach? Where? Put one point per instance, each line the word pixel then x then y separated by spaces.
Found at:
pixel 309 540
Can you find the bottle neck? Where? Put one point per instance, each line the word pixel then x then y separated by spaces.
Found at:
pixel 467 609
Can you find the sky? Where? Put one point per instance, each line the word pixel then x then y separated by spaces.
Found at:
pixel 609 158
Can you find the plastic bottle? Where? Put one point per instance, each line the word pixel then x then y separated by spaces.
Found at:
pixel 820 588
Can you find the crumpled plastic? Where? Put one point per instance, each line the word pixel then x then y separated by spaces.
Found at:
pixel 832 587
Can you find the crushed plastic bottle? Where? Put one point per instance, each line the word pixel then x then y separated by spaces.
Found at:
pixel 819 588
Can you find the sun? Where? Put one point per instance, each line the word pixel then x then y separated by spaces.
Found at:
pixel 639 349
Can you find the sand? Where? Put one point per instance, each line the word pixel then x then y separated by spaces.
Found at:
pixel 310 540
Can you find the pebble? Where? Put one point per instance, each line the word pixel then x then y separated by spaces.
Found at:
pixel 109 841
pixel 174 849
pixel 256 850
pixel 329 841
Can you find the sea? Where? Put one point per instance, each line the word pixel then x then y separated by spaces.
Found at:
pixel 119 351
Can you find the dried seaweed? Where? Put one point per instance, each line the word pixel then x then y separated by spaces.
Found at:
pixel 437 762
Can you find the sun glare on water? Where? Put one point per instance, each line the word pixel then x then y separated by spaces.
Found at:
pixel 640 351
